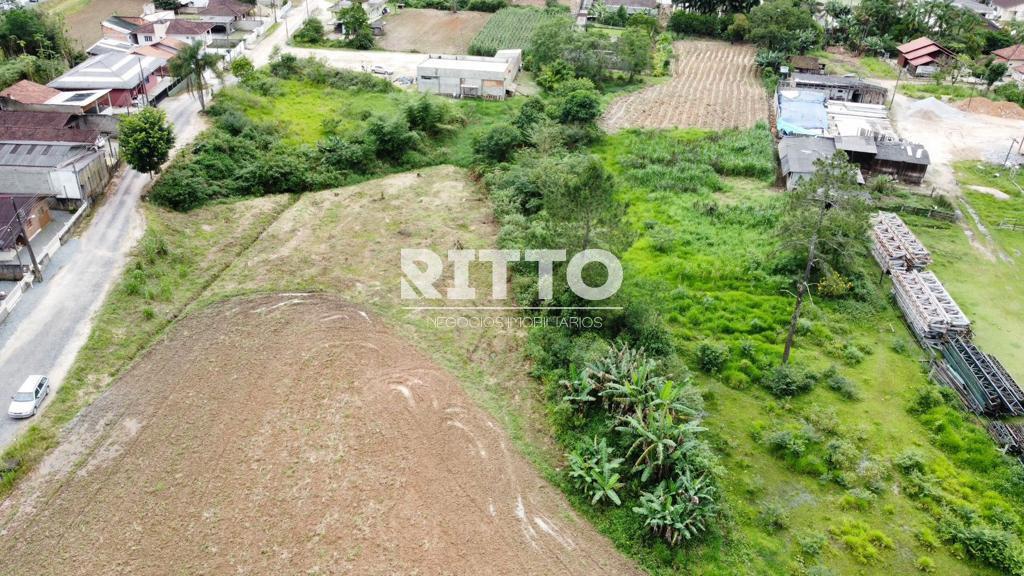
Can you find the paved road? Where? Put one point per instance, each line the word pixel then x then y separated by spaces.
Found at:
pixel 51 323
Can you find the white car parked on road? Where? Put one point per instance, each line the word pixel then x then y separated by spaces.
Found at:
pixel 27 399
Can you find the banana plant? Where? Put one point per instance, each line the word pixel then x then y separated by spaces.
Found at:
pixel 678 508
pixel 594 470
pixel 657 435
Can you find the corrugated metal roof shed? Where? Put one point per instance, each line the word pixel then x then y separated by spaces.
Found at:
pixel 903 152
pixel 797 154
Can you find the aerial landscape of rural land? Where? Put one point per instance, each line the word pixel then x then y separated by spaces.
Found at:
pixel 506 287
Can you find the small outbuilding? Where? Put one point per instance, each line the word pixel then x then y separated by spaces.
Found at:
pixel 906 161
pixel 923 56
pixel 841 88
pixel 470 76
pixel 797 155
pixel 806 65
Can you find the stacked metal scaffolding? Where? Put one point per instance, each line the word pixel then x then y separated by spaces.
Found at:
pixel 930 311
pixel 984 379
pixel 1009 437
pixel 894 246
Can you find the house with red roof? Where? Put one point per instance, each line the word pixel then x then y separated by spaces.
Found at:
pixel 922 56
pixel 1013 56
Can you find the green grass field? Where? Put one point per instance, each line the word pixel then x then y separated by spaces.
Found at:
pixel 705 247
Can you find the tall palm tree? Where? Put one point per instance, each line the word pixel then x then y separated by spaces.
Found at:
pixel 191 63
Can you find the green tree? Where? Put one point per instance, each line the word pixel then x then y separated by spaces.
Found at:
pixel 191 64
pixel 994 72
pixel 311 32
pixel 739 29
pixel 146 139
pixel 497 144
pixel 580 107
pixel 356 25
pixel 548 43
pixel 634 51
pixel 824 219
pixel 578 195
pixel 242 67
pixel 784 26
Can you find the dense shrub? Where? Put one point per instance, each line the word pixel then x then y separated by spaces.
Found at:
pixel 787 380
pixel 711 25
pixel 497 144
pixel 712 356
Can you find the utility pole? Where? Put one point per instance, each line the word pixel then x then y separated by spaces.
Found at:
pixel 896 87
pixel 801 289
pixel 1010 151
pixel 24 234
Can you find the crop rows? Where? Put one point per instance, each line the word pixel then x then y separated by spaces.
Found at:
pixel 714 85
pixel 510 28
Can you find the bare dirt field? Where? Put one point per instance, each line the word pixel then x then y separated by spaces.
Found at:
pixel 714 85
pixel 951 134
pixel 292 434
pixel 83 23
pixel 431 31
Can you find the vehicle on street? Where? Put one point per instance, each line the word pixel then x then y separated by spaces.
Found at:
pixel 26 401
pixel 378 69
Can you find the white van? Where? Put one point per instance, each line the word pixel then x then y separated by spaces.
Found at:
pixel 27 399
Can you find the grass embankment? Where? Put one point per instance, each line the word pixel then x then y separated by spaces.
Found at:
pixel 865 67
pixel 177 258
pixel 988 285
pixel 933 90
pixel 871 472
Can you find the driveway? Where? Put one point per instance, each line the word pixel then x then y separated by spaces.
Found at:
pixel 399 63
pixel 52 322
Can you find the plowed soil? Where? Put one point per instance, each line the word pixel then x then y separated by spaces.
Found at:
pixel 291 434
pixel 714 85
pixel 431 31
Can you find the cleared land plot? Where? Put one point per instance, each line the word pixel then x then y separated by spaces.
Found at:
pixel 714 85
pixel 310 416
pixel 82 18
pixel 431 31
pixel 510 28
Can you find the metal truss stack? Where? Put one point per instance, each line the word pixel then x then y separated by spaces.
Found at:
pixel 930 311
pixel 981 382
pixel 894 246
pixel 1009 437
pixel 984 379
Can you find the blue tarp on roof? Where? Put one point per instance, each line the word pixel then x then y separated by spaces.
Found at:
pixel 802 112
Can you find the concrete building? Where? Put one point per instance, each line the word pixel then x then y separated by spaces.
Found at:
pixel 470 76
pixel 806 65
pixel 1008 10
pixel 35 215
pixel 375 9
pixel 49 154
pixel 841 88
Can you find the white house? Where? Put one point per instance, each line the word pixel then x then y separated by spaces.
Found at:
pixel 1008 10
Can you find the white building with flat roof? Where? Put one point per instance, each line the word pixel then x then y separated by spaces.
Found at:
pixel 470 76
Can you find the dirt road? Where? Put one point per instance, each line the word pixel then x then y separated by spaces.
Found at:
pixel 951 135
pixel 292 434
